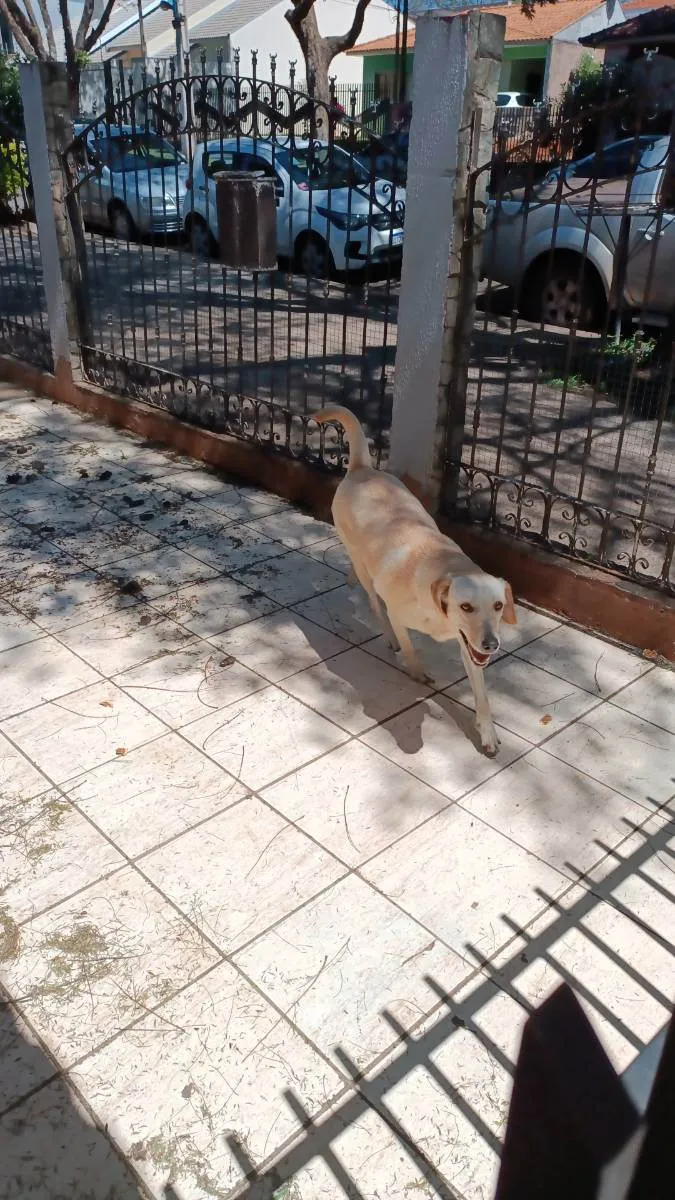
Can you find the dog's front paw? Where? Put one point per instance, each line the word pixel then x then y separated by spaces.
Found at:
pixel 488 738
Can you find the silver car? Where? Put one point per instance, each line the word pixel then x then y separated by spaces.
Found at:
pixel 138 183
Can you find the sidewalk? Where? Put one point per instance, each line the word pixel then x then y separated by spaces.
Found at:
pixel 244 858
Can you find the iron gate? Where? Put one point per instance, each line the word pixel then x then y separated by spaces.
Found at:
pixel 566 419
pixel 244 352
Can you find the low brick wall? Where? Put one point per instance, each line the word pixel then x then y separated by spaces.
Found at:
pixel 593 599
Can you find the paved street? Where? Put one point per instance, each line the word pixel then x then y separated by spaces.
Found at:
pixel 246 860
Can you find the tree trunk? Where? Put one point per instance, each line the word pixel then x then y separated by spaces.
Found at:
pixel 74 72
pixel 317 58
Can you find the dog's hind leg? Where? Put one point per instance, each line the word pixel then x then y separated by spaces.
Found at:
pixel 484 722
pixel 378 610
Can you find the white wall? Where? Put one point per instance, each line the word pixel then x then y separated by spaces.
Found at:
pixel 271 34
pixel 609 13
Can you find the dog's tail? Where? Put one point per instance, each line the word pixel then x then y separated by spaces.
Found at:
pixel 359 451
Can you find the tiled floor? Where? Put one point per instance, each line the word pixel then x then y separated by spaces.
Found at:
pixel 243 854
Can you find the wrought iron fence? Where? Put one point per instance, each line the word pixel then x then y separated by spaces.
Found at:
pixel 569 415
pixel 249 352
pixel 23 323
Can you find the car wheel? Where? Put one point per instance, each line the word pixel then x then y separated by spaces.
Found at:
pixel 561 293
pixel 122 223
pixel 312 257
pixel 202 242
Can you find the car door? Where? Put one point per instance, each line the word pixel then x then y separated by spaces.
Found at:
pixel 651 259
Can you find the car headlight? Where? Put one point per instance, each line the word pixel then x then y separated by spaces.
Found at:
pixel 158 204
pixel 343 220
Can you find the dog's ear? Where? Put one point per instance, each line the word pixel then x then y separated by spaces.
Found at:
pixel 440 592
pixel 509 607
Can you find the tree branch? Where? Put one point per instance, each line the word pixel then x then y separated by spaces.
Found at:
pixel 49 28
pixel 21 26
pixel 67 33
pixel 85 22
pixel 296 15
pixel 337 45
pixel 91 40
pixel 22 40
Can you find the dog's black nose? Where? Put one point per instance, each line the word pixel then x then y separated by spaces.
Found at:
pixel 489 644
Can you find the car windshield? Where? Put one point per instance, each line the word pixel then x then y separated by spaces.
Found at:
pixel 322 167
pixel 136 152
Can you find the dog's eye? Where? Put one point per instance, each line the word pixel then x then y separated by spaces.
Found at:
pixel 466 607
pixel 498 606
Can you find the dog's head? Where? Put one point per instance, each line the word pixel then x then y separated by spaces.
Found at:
pixel 476 605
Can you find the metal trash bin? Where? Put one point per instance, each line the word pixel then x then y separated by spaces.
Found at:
pixel 247 220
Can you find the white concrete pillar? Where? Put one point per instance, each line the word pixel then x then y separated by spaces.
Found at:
pixel 49 131
pixel 456 76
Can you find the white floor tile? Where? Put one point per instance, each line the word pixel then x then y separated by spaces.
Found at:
pixel 295 529
pixel 279 645
pixel 241 503
pixel 107 543
pixel 86 728
pixel 290 578
pixel 437 741
pixel 158 572
pixel 369 1157
pixel 652 698
pixel 192 682
pixel 160 790
pixel 50 1148
pixel 120 640
pixel 235 548
pixel 554 811
pixel 332 553
pixel 263 737
pixel 39 671
pixel 73 597
pixel 598 667
pixel 529 625
pixel 15 629
pixel 338 612
pixel 626 753
pixel 532 703
pixel 478 876
pixel 89 967
pixel 354 802
pixel 241 872
pixel 213 606
pixel 335 965
pixel 355 690
pixel 19 779
pixel 215 1062
pixel 52 852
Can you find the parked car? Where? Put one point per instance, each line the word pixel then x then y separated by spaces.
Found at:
pixel 514 100
pixel 387 157
pixel 138 184
pixel 540 246
pixel 615 161
pixel 331 213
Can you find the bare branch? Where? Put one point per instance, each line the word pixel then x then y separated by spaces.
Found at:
pixel 67 32
pixel 49 28
pixel 19 22
pixel 298 12
pixel 85 22
pixel 17 33
pixel 92 38
pixel 336 45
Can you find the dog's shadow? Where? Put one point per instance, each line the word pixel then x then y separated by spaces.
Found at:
pixel 441 661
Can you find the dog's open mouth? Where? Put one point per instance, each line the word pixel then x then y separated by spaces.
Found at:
pixel 481 660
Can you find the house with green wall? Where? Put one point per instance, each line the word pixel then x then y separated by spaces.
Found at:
pixel 539 51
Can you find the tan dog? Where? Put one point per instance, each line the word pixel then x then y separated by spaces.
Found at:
pixel 427 583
